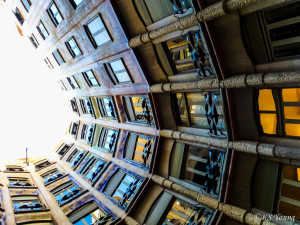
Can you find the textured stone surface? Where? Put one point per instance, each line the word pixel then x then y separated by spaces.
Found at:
pixel 130 221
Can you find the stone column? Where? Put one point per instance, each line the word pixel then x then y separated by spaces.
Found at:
pixel 239 81
pixel 57 214
pixel 211 12
pixel 130 221
pixel 231 211
pixel 251 147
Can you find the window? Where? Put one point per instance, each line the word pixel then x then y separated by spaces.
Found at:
pixel 27 4
pixel 93 169
pixel 59 59
pixel 139 148
pixel 74 105
pixel 199 166
pixel 273 34
pixel 118 72
pixel 75 3
pixel 108 139
pixel 86 106
pixel 51 176
pixel 170 210
pixel 54 14
pixel 73 47
pixel 42 30
pixel 34 41
pixel 62 86
pixel 90 214
pixel 19 16
pixel 107 107
pixel 90 78
pixel 122 188
pixel 74 129
pixel 63 150
pixel 42 165
pixel 48 63
pixel 75 158
pixel 66 192
pixel 19 182
pixel 73 82
pixel 96 32
pixel 14 169
pixel 202 110
pixel 27 203
pixel 87 132
pixel 139 109
pixel 279 111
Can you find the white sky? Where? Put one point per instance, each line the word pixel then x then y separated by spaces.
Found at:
pixel 33 110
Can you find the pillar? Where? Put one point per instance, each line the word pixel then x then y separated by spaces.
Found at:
pixel 211 12
pixel 231 211
pixel 239 81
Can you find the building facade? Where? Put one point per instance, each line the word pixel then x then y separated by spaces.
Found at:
pixel 185 112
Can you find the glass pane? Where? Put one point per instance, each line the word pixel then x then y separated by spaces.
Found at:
pixel 284 32
pixel 53 9
pixel 266 100
pixel 102 38
pixel 58 18
pixel 292 112
pixel 95 25
pixel 287 50
pixel 291 95
pixel 123 77
pixel 292 129
pixel 117 66
pixel 268 122
pixel 182 108
pixel 77 2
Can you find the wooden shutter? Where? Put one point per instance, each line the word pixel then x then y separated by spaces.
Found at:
pixel 114 182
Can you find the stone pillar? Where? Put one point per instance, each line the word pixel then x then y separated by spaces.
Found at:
pixel 211 12
pixel 130 221
pixel 231 211
pixel 251 147
pixel 57 214
pixel 239 81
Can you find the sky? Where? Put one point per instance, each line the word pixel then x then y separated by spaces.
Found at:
pixel 33 109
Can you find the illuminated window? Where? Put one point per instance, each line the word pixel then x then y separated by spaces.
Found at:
pixel 42 30
pixel 97 32
pixel 27 4
pixel 122 188
pixel 90 78
pixel 90 214
pixel 118 72
pixel 93 169
pixel 202 110
pixel 73 47
pixel 58 57
pixel 279 111
pixel 139 148
pixel 73 82
pixel 54 14
pixel 139 109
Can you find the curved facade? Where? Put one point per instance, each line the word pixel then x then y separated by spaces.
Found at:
pixel 186 112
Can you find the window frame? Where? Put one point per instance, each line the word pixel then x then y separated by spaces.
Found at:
pixel 21 202
pixel 52 16
pixel 40 31
pixel 19 16
pixel 60 55
pixel 75 84
pixel 19 179
pixel 88 80
pixel 29 3
pixel 103 136
pixel 34 41
pixel 74 5
pixel 49 64
pixel 74 105
pixel 71 50
pixel 112 74
pixel 74 156
pixel 85 108
pixel 50 173
pixel 61 189
pixel 91 37
pixel 89 165
pixel 103 107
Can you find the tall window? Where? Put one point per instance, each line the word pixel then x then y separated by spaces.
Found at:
pixel 86 106
pixel 54 14
pixel 122 188
pixel 201 110
pixel 27 4
pixel 139 148
pixel 66 192
pixel 58 57
pixel 75 3
pixel 96 32
pixel 51 176
pixel 118 72
pixel 87 132
pixel 279 111
pixel 273 34
pixel 19 16
pixel 73 47
pixel 107 107
pixel 199 166
pixel 75 158
pixel 108 139
pixel 90 78
pixel 90 214
pixel 73 82
pixel 74 105
pixel 19 182
pixel 27 203
pixel 139 109
pixel 93 169
pixel 34 41
pixel 42 30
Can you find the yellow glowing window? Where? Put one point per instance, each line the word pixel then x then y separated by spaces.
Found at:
pixel 266 100
pixel 291 95
pixel 292 112
pixel 292 129
pixel 268 122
